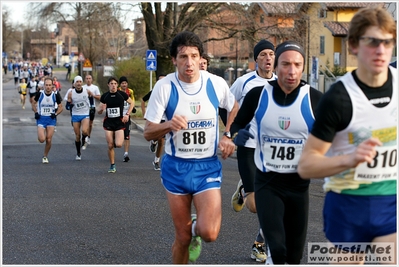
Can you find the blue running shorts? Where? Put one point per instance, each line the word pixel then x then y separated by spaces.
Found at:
pixel 352 218
pixel 46 121
pixel 190 176
pixel 79 118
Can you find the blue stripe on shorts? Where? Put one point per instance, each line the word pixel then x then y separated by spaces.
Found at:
pixel 352 218
pixel 46 121
pixel 190 176
pixel 79 118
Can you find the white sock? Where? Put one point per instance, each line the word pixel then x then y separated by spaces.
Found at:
pixel 156 159
pixel 126 153
pixel 269 260
pixel 193 228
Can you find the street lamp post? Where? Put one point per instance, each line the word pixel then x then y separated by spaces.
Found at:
pixel 236 73
pixel 22 44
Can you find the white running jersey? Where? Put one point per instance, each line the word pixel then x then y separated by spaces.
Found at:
pixel 32 88
pixel 66 95
pixel 367 121
pixel 81 103
pixel 281 131
pixel 198 102
pixel 241 87
pixel 94 90
pixel 46 104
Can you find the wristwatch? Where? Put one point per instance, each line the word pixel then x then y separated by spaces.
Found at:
pixel 227 134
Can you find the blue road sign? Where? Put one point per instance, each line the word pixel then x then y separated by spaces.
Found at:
pixel 151 57
pixel 151 65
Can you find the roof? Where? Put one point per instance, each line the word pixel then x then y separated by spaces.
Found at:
pixel 338 29
pixel 275 8
pixel 345 5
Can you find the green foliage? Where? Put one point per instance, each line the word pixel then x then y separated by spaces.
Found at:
pixel 138 77
pixel 336 70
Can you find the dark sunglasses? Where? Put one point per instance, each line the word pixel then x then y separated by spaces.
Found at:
pixel 375 42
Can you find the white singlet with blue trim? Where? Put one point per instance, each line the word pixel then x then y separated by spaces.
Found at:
pixel 241 87
pixel 46 104
pixel 282 131
pixel 198 102
pixel 81 102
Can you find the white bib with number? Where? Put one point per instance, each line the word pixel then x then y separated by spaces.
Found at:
pixel 46 111
pixel 113 112
pixel 382 168
pixel 282 157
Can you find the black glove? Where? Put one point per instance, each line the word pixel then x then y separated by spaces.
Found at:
pixel 92 110
pixel 68 105
pixel 242 136
pixel 134 110
pixel 37 116
pixel 53 116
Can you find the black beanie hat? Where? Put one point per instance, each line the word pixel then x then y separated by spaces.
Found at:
pixel 123 79
pixel 262 45
pixel 286 46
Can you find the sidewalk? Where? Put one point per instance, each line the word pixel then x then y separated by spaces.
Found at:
pixel 7 77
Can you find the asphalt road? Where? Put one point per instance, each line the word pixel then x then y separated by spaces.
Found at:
pixel 75 212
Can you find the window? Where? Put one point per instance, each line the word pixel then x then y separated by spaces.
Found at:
pixel 322 13
pixel 231 47
pixel 322 44
pixel 262 19
pixel 74 42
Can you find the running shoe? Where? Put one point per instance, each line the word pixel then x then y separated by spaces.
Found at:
pixel 153 146
pixel 156 166
pixel 194 250
pixel 237 200
pixel 112 168
pixel 78 157
pixel 84 146
pixel 45 160
pixel 126 158
pixel 87 140
pixel 258 253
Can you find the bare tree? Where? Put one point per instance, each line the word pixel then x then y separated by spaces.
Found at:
pixel 163 25
pixel 94 23
pixel 11 34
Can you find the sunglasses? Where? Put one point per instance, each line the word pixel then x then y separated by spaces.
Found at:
pixel 375 42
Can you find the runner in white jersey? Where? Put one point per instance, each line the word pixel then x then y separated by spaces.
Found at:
pixel 283 114
pixel 357 125
pixel 96 94
pixel 264 58
pixel 78 101
pixel 44 105
pixel 191 171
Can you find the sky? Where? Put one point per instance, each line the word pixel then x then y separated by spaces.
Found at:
pixel 18 11
pixel 19 8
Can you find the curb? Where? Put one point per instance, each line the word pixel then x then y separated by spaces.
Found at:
pixel 137 126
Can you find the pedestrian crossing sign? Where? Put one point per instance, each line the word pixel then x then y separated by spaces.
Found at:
pixel 151 55
pixel 151 60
